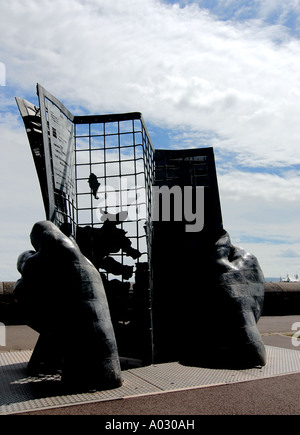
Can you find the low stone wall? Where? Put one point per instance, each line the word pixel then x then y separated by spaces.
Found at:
pixel 281 298
pixel 6 290
pixel 9 311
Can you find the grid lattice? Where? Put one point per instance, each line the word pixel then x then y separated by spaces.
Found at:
pixel 120 154
pixel 88 167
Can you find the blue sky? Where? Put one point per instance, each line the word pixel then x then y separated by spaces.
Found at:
pixel 272 12
pixel 221 73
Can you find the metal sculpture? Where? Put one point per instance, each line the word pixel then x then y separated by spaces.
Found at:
pixel 223 314
pixel 63 297
pixel 196 298
pixel 208 294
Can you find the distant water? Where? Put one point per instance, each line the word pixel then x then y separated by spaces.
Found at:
pixel 272 279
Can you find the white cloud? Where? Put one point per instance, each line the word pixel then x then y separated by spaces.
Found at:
pixel 267 8
pixel 279 12
pixel 177 65
pixel 261 186
pixel 290 253
pixel 271 260
pixel 267 228
pixel 231 84
pixel 261 213
pixel 20 197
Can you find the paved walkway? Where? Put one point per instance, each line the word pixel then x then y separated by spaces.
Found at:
pixel 273 390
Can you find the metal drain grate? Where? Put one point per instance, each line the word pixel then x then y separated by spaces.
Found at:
pixel 173 376
pixel 19 393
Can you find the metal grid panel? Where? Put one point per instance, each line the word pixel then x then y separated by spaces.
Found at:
pixel 118 151
pixel 171 171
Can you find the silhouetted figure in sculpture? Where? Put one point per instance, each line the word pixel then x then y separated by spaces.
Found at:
pixel 98 243
pixel 94 184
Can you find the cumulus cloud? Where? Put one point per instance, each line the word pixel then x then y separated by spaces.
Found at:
pixel 228 83
pixel 176 65
pixel 277 8
pixel 20 198
pixel 290 253
pixel 269 11
pixel 267 187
